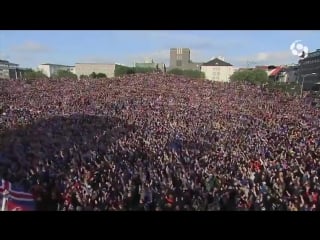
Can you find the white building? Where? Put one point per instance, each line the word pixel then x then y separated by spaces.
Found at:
pixel 50 69
pixel 4 69
pixel 10 70
pixel 88 68
pixel 217 70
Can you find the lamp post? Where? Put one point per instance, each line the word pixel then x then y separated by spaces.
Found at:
pixel 302 83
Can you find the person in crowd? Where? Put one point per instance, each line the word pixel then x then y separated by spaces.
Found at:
pixel 156 142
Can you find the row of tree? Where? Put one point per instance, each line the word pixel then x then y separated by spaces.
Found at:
pixel 260 77
pixel 256 76
pixel 119 71
pixel 94 75
pixel 123 70
pixel 32 74
pixel 187 73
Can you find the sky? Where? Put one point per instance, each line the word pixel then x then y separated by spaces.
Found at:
pixel 240 48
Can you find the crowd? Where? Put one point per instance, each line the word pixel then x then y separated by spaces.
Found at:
pixel 159 142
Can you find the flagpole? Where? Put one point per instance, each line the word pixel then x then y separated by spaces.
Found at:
pixel 4 200
pixel 3 204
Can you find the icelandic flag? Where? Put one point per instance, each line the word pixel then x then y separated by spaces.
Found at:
pixel 18 200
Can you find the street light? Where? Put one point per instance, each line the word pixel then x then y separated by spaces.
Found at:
pixel 303 76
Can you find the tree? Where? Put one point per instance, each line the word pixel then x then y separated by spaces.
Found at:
pixel 260 77
pixel 131 71
pixel 188 73
pixel 83 76
pixel 122 70
pixel 256 76
pixel 30 74
pixel 239 76
pixel 93 75
pixel 65 74
pixel 176 71
pixel 97 75
pixel 143 69
pixel 101 75
pixel 193 74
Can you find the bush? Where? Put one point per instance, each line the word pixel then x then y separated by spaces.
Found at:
pixel 256 76
pixel 143 70
pixel 176 71
pixel 30 74
pixel 122 70
pixel 101 75
pixel 130 71
pixel 83 76
pixel 65 74
pixel 187 73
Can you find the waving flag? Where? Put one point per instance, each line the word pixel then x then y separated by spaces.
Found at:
pixel 16 199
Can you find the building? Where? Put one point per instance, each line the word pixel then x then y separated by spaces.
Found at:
pixel 146 64
pixel 4 69
pixel 275 73
pixel 180 58
pixel 88 68
pixel 217 70
pixel 307 66
pixel 289 74
pixel 50 70
pixel 150 64
pixel 10 70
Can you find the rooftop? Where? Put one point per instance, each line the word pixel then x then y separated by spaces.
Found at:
pixel 99 63
pixel 216 62
pixel 52 64
pixel 276 71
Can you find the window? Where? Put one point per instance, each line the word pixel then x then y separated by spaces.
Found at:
pixel 179 63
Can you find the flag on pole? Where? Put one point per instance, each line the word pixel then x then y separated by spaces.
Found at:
pixel 14 199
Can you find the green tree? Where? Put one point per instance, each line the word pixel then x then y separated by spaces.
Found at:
pixel 193 74
pixel 259 76
pixel 84 76
pixel 188 73
pixel 101 75
pixel 143 70
pixel 93 75
pixel 176 71
pixel 256 76
pixel 240 76
pixel 31 74
pixel 131 71
pixel 65 74
pixel 122 70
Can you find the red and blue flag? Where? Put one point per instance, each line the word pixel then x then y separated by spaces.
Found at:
pixel 17 199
